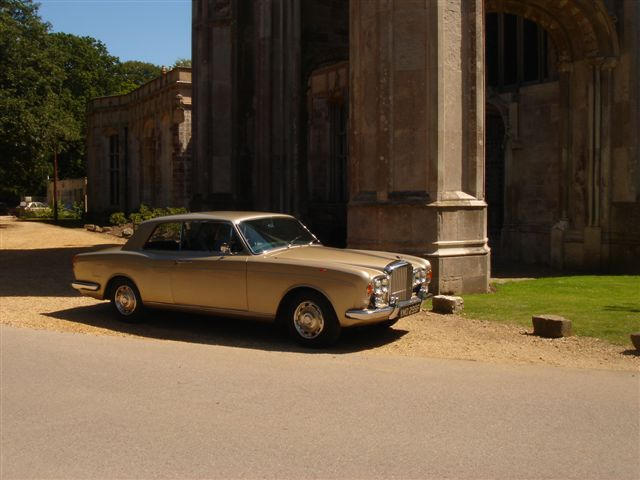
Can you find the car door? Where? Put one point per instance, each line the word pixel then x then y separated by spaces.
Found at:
pixel 211 268
pixel 153 272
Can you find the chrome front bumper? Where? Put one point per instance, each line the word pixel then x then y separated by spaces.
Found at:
pixel 386 313
pixel 90 286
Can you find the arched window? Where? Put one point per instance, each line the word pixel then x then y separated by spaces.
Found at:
pixel 518 51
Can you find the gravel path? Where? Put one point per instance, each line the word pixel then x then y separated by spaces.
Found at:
pixel 35 261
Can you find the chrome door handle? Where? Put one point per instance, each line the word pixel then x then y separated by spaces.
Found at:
pixel 178 262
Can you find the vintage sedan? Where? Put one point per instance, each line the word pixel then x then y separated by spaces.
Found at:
pixel 261 265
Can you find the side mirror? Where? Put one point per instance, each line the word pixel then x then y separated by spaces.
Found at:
pixel 225 249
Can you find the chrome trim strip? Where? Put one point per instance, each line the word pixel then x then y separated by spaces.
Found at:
pixel 386 313
pixel 395 264
pixel 86 286
pixel 222 312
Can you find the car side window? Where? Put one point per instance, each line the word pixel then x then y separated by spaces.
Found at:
pixel 210 236
pixel 165 236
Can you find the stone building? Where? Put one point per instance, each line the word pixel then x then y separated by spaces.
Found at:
pixel 369 117
pixel 139 146
pixel 70 191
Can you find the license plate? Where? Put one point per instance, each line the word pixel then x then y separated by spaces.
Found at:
pixel 410 310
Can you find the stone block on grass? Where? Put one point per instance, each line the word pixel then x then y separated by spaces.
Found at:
pixel 551 326
pixel 447 304
pixel 90 227
pixel 635 339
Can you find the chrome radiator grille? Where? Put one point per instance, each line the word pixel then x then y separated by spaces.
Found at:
pixel 401 284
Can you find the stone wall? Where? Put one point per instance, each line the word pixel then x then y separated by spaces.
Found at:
pixel 153 153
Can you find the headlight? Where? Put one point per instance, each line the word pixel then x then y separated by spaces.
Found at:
pixel 378 290
pixel 421 276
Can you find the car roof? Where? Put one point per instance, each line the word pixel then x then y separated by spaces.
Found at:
pixel 229 216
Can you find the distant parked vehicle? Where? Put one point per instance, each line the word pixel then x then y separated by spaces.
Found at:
pixel 34 206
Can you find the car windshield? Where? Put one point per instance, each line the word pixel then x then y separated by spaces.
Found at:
pixel 264 234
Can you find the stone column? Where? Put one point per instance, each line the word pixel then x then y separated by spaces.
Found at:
pixel 558 231
pixel 277 99
pixel 599 160
pixel 417 135
pixel 213 101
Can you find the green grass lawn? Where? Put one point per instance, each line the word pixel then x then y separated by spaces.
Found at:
pixel 607 307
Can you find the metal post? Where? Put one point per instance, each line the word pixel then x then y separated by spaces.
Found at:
pixel 55 186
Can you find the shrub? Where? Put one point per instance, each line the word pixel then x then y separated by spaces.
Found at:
pixel 41 213
pixel 175 210
pixel 147 213
pixel 117 218
pixel 136 218
pixel 78 210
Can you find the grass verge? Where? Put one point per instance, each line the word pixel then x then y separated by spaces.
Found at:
pixel 606 307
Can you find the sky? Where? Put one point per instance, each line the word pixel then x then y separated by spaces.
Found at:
pixel 155 31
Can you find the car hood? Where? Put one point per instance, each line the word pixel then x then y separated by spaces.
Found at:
pixel 359 258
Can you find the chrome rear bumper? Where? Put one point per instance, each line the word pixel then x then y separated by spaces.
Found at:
pixel 92 287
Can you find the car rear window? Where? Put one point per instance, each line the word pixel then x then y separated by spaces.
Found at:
pixel 165 236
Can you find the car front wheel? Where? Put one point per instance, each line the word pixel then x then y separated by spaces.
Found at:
pixel 311 320
pixel 126 301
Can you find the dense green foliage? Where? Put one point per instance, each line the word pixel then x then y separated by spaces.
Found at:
pixel 606 307
pixel 76 212
pixel 46 80
pixel 182 62
pixel 144 213
pixel 132 74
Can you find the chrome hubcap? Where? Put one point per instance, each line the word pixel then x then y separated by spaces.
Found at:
pixel 308 320
pixel 125 300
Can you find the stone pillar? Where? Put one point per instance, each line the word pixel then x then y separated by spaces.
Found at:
pixel 213 101
pixel 277 99
pixel 417 135
pixel 598 173
pixel 558 231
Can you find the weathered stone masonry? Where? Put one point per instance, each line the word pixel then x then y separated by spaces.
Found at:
pixel 139 146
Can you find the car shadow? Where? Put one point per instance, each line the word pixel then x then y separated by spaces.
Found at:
pixel 224 331
pixel 42 272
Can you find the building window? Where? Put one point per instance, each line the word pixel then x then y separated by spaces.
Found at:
pixel 114 170
pixel 517 51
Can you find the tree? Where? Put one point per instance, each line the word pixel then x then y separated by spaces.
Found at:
pixel 46 81
pixel 28 81
pixel 133 73
pixel 89 71
pixel 182 62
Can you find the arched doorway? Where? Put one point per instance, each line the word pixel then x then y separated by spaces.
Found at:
pixel 523 172
pixel 494 179
pixel 328 152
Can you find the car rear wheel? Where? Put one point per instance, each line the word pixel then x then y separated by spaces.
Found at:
pixel 126 301
pixel 311 320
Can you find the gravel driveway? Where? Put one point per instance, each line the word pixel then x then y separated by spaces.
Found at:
pixel 35 273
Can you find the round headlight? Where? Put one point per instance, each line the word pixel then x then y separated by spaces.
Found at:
pixel 380 291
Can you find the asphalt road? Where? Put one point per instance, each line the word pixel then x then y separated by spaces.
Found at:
pixel 82 406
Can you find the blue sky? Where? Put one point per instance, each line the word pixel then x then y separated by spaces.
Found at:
pixel 156 31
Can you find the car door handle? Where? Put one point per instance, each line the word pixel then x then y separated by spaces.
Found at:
pixel 178 262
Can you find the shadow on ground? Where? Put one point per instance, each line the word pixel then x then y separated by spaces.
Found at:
pixel 625 307
pixel 43 272
pixel 205 329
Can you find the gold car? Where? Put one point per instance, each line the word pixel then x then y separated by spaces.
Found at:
pixel 262 265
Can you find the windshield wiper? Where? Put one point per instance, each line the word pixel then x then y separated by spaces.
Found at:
pixel 293 241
